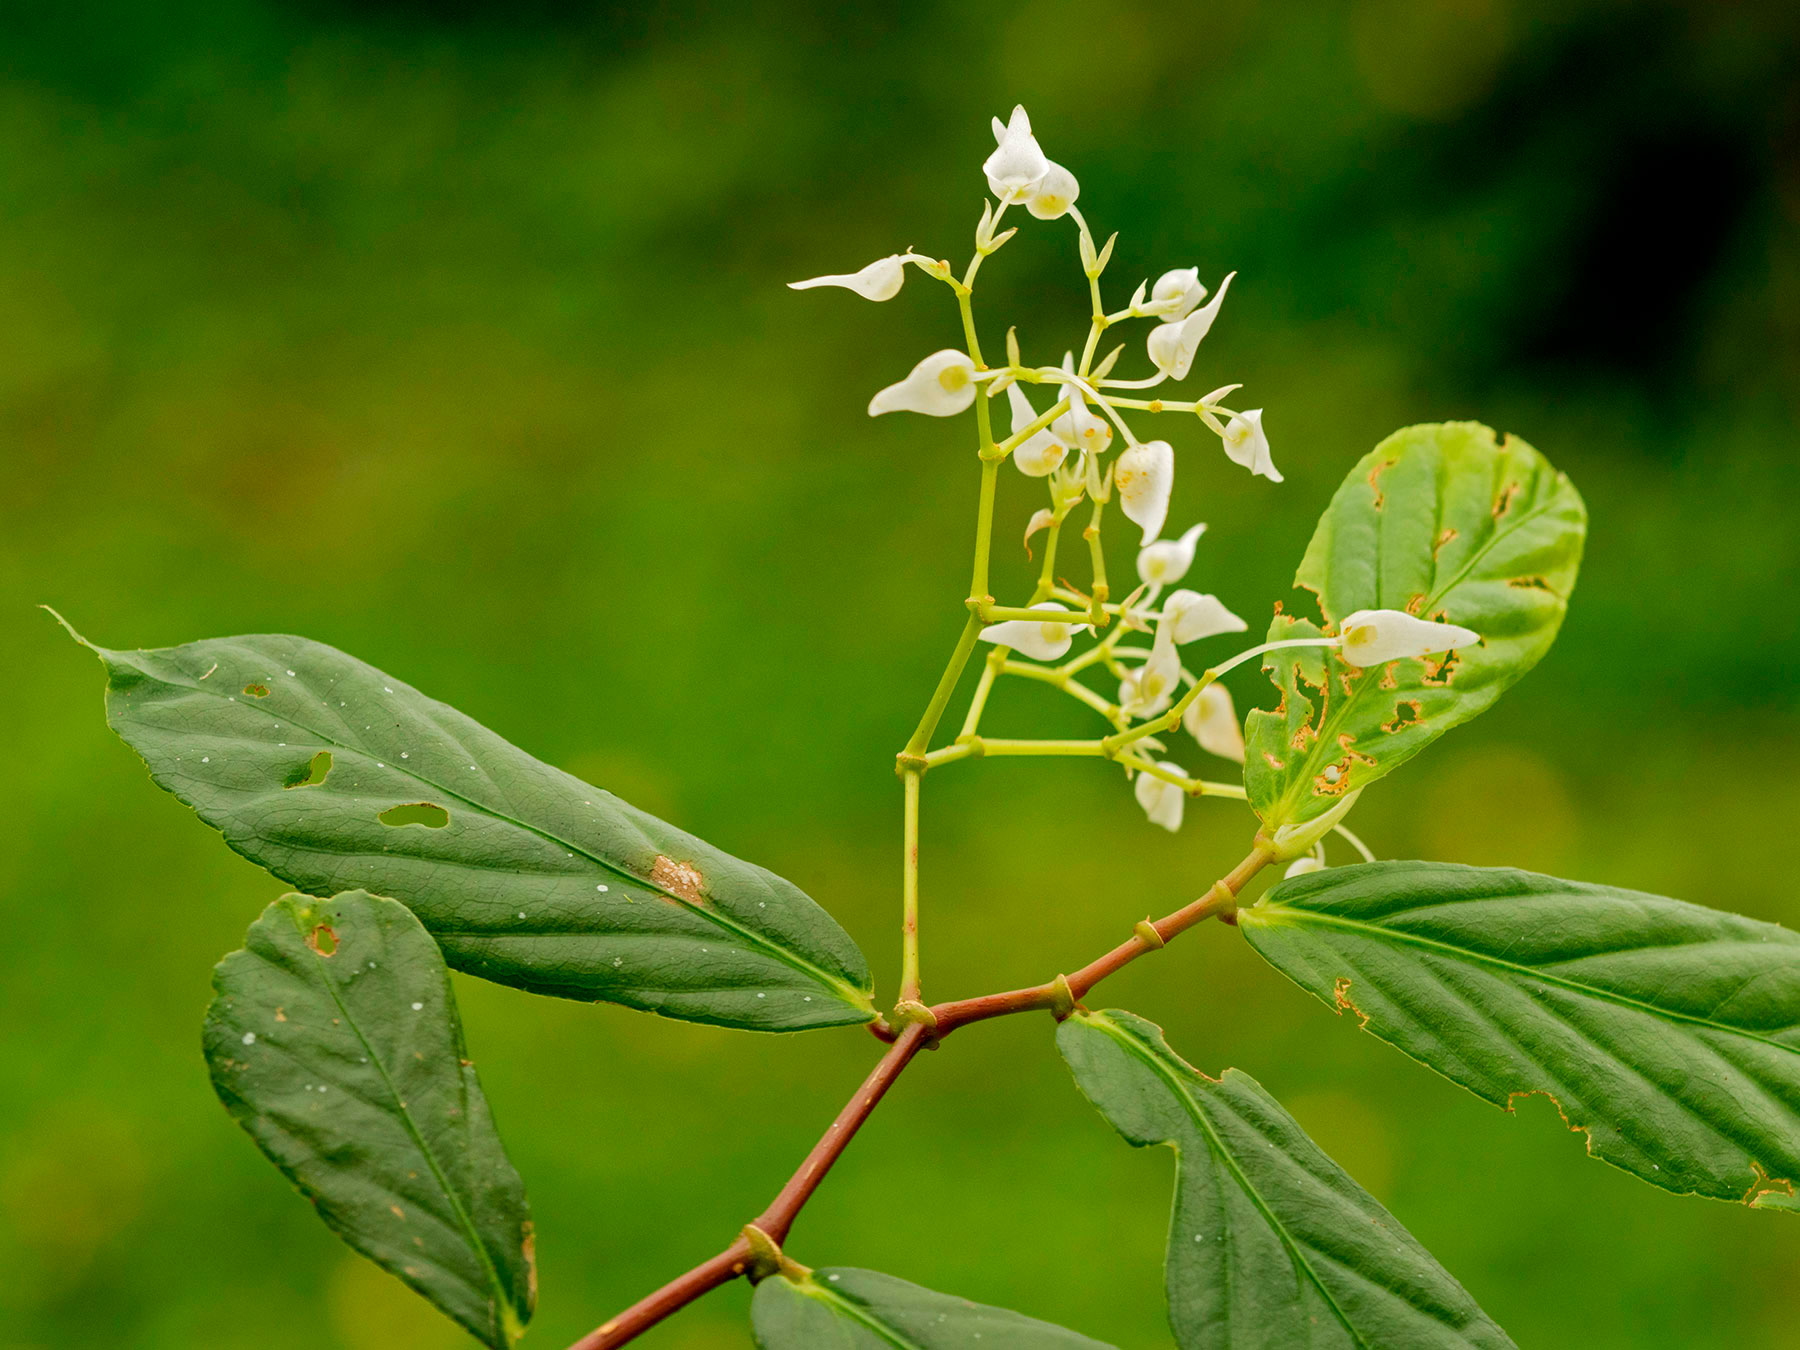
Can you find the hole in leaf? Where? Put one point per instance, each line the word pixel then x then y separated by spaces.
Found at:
pixel 314 772
pixel 257 690
pixel 323 940
pixel 428 814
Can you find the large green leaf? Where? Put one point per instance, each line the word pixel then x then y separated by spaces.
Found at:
pixel 334 1041
pixel 847 1309
pixel 1444 522
pixel 334 775
pixel 1272 1244
pixel 1669 1033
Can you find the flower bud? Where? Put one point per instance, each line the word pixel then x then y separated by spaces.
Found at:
pixel 880 280
pixel 1054 195
pixel 1162 801
pixel 1190 616
pixel 941 385
pixel 1173 345
pixel 1212 721
pixel 1373 637
pixel 1246 444
pixel 1179 289
pixel 1018 165
pixel 1040 453
pixel 1301 866
pixel 1044 641
pixel 1167 561
pixel 1145 478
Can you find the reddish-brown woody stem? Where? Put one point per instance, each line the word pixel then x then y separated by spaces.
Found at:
pixel 778 1218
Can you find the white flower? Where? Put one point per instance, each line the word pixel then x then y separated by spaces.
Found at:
pixel 1190 616
pixel 1040 453
pixel 1373 637
pixel 1168 560
pixel 1181 286
pixel 1041 641
pixel 1172 345
pixel 1146 476
pixel 1212 721
pixel 1246 444
pixel 1054 195
pixel 880 280
pixel 1150 688
pixel 1018 166
pixel 1081 428
pixel 1162 801
pixel 941 385
pixel 1301 866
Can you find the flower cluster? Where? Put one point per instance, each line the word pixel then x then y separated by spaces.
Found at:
pixel 1084 449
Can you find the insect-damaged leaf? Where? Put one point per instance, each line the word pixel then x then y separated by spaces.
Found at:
pixel 846 1309
pixel 334 1041
pixel 1272 1244
pixel 1669 1033
pixel 1446 523
pixel 334 776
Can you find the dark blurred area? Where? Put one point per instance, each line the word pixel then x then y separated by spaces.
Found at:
pixel 455 335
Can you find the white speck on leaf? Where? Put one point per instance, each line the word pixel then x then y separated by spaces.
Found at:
pixel 418 1007
pixel 249 1038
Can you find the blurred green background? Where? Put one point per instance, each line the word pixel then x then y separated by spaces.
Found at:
pixel 454 335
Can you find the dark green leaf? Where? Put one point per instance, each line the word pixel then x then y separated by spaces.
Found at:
pixel 1272 1244
pixel 334 1041
pixel 846 1309
pixel 1443 522
pixel 333 775
pixel 1669 1033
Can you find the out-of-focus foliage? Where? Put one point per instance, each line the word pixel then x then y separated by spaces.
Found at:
pixel 381 323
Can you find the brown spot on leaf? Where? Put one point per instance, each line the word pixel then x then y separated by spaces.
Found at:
pixel 257 690
pixel 1764 1184
pixel 1388 680
pixel 397 1212
pixel 678 878
pixel 1340 995
pixel 1503 503
pixel 324 942
pixel 1274 763
pixel 1531 583
pixel 1415 604
pixel 281 1013
pixel 1374 474
pixel 1449 533
pixel 1440 673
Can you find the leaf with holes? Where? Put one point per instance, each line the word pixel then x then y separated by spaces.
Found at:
pixel 1444 522
pixel 846 1309
pixel 1668 1033
pixel 1272 1244
pixel 333 775
pixel 334 1040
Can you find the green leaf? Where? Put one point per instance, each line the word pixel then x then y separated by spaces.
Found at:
pixel 1443 522
pixel 847 1309
pixel 333 775
pixel 1272 1244
pixel 334 1041
pixel 1668 1033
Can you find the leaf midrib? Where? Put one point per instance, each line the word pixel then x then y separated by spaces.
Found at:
pixel 844 1307
pixel 1275 912
pixel 470 1233
pixel 1179 1086
pixel 853 995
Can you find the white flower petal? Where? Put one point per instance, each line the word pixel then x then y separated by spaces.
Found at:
pixel 1191 616
pixel 1162 801
pixel 1373 637
pixel 1040 641
pixel 1301 866
pixel 1081 428
pixel 1039 454
pixel 1246 444
pixel 1167 561
pixel 1173 345
pixel 1054 194
pixel 1018 164
pixel 880 280
pixel 941 385
pixel 1146 476
pixel 1212 721
pixel 1181 285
